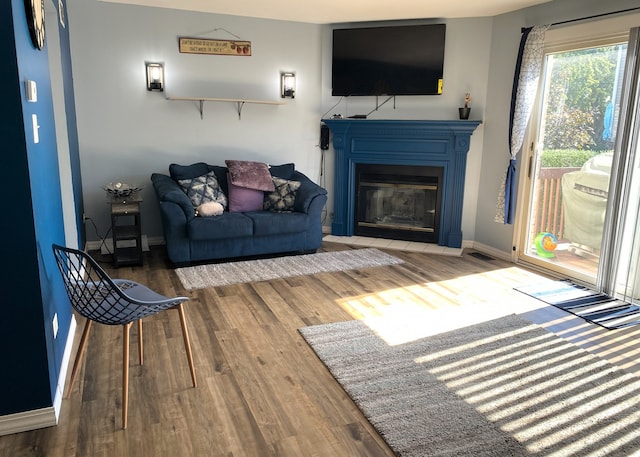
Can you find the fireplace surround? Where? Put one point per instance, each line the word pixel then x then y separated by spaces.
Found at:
pixel 437 143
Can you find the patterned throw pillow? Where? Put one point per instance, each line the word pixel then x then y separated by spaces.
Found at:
pixel 283 198
pixel 203 189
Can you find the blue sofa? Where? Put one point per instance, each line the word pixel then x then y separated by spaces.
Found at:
pixel 193 239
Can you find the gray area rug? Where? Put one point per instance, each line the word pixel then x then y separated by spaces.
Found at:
pixel 504 387
pixel 222 274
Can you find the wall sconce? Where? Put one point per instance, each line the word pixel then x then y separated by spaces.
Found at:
pixel 155 76
pixel 287 85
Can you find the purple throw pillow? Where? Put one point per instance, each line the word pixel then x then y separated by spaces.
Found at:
pixel 253 175
pixel 244 199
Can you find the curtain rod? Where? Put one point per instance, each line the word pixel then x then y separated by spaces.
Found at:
pixel 590 17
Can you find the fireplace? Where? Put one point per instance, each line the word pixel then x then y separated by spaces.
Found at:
pixel 439 144
pixel 399 202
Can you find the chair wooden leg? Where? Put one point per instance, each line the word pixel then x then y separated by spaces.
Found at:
pixel 79 354
pixel 125 373
pixel 187 344
pixel 140 348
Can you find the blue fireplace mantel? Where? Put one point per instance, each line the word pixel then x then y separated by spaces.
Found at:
pixel 436 143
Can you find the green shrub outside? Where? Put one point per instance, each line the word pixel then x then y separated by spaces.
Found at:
pixel 566 158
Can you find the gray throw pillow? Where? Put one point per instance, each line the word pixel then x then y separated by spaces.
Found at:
pixel 203 189
pixel 283 198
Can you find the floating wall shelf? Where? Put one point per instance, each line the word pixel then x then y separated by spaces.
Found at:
pixel 240 102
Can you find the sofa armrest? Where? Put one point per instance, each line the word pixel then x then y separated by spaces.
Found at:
pixel 169 191
pixel 307 192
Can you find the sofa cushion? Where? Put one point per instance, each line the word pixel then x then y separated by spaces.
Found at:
pixel 203 189
pixel 283 197
pixel 226 225
pixel 270 223
pixel 243 199
pixel 252 175
pixel 284 171
pixel 178 172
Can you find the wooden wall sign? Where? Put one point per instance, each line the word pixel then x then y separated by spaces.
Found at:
pixel 214 47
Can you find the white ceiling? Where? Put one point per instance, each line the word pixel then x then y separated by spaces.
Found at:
pixel 336 11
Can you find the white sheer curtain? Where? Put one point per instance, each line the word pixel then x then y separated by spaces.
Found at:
pixel 525 85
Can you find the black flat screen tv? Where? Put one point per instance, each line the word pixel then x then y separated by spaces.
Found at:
pixel 394 60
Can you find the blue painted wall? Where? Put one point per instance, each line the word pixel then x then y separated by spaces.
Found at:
pixel 33 220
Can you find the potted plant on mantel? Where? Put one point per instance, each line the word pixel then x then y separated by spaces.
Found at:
pixel 466 110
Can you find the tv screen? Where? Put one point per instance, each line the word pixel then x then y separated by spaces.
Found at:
pixel 395 60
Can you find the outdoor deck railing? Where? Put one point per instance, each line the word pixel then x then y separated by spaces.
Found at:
pixel 548 213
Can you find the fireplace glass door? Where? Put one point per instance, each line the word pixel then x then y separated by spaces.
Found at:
pixel 398 202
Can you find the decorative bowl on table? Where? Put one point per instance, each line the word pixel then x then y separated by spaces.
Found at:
pixel 120 189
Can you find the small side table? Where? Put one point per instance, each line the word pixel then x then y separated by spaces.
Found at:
pixel 125 229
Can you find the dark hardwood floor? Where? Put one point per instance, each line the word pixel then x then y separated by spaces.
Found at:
pixel 261 389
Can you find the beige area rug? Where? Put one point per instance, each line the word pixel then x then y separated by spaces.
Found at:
pixel 222 274
pixel 504 387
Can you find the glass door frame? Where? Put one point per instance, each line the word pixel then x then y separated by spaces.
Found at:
pixel 623 182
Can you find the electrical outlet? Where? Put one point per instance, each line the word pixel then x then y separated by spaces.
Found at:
pixel 55 325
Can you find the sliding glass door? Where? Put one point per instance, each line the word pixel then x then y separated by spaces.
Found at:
pixel 571 158
pixel 581 216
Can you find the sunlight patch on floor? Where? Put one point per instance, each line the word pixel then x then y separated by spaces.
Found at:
pixel 403 314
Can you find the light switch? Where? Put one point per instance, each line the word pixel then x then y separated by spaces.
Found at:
pixel 55 325
pixel 31 90
pixel 36 137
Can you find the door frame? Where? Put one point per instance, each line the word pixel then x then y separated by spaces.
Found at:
pixel 558 39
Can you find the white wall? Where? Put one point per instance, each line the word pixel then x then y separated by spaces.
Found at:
pixel 127 133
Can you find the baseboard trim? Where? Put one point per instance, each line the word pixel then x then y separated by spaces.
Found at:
pixel 43 417
pixel 28 420
pixel 148 241
pixel 506 256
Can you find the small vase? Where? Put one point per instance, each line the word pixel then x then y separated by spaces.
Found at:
pixel 464 112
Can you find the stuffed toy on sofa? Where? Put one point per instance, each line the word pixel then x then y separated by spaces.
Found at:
pixel 209 209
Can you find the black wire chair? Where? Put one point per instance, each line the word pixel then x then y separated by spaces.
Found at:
pixel 99 298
